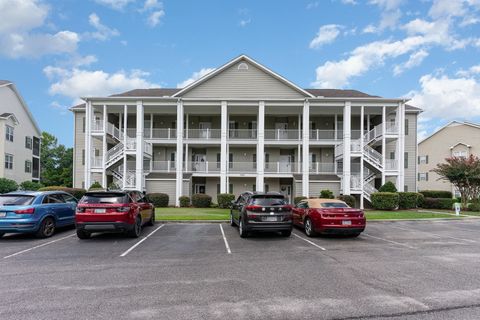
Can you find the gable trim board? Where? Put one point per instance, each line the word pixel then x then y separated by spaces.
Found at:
pixel 451 123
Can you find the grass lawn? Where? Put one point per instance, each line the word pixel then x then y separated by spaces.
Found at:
pixel 404 214
pixel 192 214
pixel 466 213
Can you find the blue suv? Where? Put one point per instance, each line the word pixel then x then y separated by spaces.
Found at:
pixel 36 212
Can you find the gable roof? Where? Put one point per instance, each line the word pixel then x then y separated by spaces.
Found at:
pixel 338 93
pixel 234 61
pixel 8 115
pixel 466 145
pixel 451 123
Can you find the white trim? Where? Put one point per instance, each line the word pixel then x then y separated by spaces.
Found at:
pixel 471 124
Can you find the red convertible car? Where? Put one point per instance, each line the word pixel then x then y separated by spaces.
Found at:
pixel 328 216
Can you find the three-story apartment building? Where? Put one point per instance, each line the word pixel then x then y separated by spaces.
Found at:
pixel 244 127
pixel 20 137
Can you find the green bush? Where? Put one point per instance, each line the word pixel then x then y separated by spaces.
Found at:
pixel 407 200
pixel 326 194
pixel 95 186
pixel 385 200
pixel 225 200
pixel 184 201
pixel 474 205
pixel 200 200
pixel 436 194
pixel 76 192
pixel 420 200
pixel 7 185
pixel 389 186
pixel 348 199
pixel 438 203
pixel 159 200
pixel 296 200
pixel 114 186
pixel 30 186
pixel 214 205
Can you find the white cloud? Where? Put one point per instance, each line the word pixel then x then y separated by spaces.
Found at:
pixel 21 15
pixel 390 16
pixel 154 18
pixel 312 5
pixel 474 70
pixel 195 76
pixel 349 1
pixel 152 4
pixel 115 4
pixel 244 22
pixel 75 83
pixel 103 32
pixel 327 34
pixel 414 60
pixel 370 29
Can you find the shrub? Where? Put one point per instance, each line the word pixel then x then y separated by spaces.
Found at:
pixel 326 194
pixel 388 187
pixel 214 205
pixel 385 200
pixel 407 200
pixel 114 186
pixel 76 192
pixel 474 205
pixel 159 200
pixel 184 201
pixel 7 185
pixel 436 194
pixel 30 186
pixel 420 200
pixel 296 200
pixel 348 199
pixel 200 200
pixel 95 186
pixel 438 203
pixel 225 200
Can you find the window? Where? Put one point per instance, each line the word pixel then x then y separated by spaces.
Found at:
pixel 267 160
pixel 219 159
pixel 218 188
pixel 422 159
pixel 266 188
pixel 28 143
pixel 230 188
pixel 423 176
pixel 8 161
pixel 460 154
pixel 36 146
pixel 83 124
pixel 406 126
pixel 405 160
pixel 9 133
pixel 28 166
pixel 230 161
pixel 69 199
pixel 392 155
pixel 405 188
pixel 243 66
pixel 83 156
pixel 254 188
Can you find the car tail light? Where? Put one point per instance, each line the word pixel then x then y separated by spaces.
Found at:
pixel 80 209
pixel 25 211
pixel 253 207
pixel 123 209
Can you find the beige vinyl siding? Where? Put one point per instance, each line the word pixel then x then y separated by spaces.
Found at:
pixel 251 83
pixel 411 148
pixel 162 186
pixel 316 187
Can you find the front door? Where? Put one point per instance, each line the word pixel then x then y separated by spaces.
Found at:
pixel 204 129
pixel 285 163
pixel 281 130
pixel 286 190
pixel 199 188
pixel 199 162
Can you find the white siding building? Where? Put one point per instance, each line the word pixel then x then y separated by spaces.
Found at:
pixel 244 127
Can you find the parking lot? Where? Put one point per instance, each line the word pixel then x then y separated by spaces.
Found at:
pixel 395 270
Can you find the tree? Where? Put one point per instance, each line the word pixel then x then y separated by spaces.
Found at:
pixel 464 174
pixel 388 187
pixel 56 162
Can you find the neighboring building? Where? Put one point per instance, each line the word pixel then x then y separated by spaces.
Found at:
pixel 459 139
pixel 20 137
pixel 244 127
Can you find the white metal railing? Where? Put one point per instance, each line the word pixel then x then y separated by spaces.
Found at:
pixel 355 182
pixel 282 167
pixel 202 134
pixel 130 180
pixel 322 135
pixel 114 131
pixel 355 146
pixel 164 166
pixel 163 133
pixel 281 134
pixel 203 166
pixel 97 125
pixel 322 168
pixel 391 164
pixel 131 144
pixel 391 128
pixel 147 147
pixel 339 150
pixel 131 132
pixel 373 155
pixel 244 134
pixel 97 162
pixel 373 134
pixel 243 167
pixel 115 151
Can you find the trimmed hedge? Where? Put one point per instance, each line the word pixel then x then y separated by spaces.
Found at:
pixel 326 194
pixel 407 200
pixel 184 201
pixel 30 186
pixel 436 194
pixel 296 200
pixel 76 192
pixel 389 186
pixel 225 200
pixel 159 200
pixel 420 200
pixel 385 200
pixel 438 203
pixel 474 206
pixel 95 186
pixel 7 185
pixel 200 200
pixel 348 199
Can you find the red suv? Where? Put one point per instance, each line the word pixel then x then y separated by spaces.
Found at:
pixel 113 211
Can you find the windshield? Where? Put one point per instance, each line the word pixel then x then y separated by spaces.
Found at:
pixel 16 200
pixel 106 198
pixel 334 205
pixel 268 201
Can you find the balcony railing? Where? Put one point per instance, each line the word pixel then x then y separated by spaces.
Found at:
pixel 323 135
pixel 282 167
pixel 391 128
pixel 391 164
pixel 97 162
pixel 164 166
pixel 322 168
pixel 97 125
pixel 281 134
pixel 161 133
pixel 204 167
pixel 202 134
pixel 242 134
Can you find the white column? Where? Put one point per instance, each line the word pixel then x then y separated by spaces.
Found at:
pixel 305 149
pixel 88 143
pixel 125 126
pixel 104 147
pixel 401 139
pixel 120 121
pixel 347 118
pixel 223 146
pixel 186 127
pixel 151 125
pixel 261 147
pixel 335 125
pixel 139 150
pixel 384 147
pixel 187 168
pixel 362 121
pixel 179 154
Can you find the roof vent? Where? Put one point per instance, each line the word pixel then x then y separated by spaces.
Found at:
pixel 243 66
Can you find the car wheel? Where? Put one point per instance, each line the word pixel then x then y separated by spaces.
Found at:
pixel 309 228
pixel 137 228
pixel 286 233
pixel 232 223
pixel 241 229
pixel 82 234
pixel 354 235
pixel 151 222
pixel 47 228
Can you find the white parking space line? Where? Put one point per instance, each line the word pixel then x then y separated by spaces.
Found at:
pixel 435 234
pixel 139 242
pixel 225 240
pixel 390 241
pixel 312 243
pixel 39 246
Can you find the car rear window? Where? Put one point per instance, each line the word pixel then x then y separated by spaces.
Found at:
pixel 106 198
pixel 334 205
pixel 268 200
pixel 16 200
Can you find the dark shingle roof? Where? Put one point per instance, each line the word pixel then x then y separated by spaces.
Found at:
pixel 337 93
pixel 2 82
pixel 154 92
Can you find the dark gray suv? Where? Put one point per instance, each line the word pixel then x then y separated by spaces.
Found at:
pixel 260 211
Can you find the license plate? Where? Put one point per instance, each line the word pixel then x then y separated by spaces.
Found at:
pixel 270 219
pixel 100 210
pixel 347 222
pixel 3 214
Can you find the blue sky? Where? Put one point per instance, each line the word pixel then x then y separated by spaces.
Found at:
pixel 56 51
